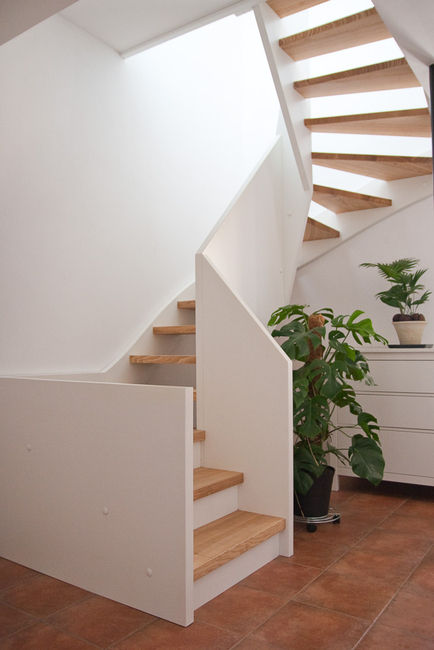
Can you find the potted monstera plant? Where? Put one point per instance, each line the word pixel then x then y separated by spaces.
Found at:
pixel 326 365
pixel 406 294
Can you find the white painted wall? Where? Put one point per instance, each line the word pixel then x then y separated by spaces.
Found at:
pixel 336 280
pixel 113 173
pixel 96 482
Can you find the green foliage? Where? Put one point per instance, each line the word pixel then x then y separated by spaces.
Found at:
pixel 321 385
pixel 405 290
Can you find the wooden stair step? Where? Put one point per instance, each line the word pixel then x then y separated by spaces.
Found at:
pixel 175 329
pixel 358 29
pixel 339 201
pixel 380 76
pixel 414 122
pixel 387 168
pixel 315 230
pixel 176 359
pixel 198 435
pixel 207 481
pixel 186 304
pixel 227 538
pixel 287 7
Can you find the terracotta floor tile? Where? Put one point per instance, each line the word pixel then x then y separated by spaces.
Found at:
pixel 387 638
pixel 11 573
pixel 281 578
pixel 351 530
pixel 239 609
pixel 423 526
pixel 362 598
pixel 359 564
pixel 315 553
pixel 302 627
pixel 375 503
pixel 414 508
pixel 43 637
pixel 412 546
pixel 251 643
pixel 421 581
pixel 43 595
pixel 100 621
pixel 12 620
pixel 162 635
pixel 411 613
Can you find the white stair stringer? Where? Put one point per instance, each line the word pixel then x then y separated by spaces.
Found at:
pixel 197 454
pixel 215 506
pixel 229 574
pixel 403 193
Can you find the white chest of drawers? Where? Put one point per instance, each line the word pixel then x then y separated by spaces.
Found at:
pixel 403 402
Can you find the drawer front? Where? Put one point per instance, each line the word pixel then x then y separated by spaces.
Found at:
pixel 412 376
pixel 410 453
pixel 395 411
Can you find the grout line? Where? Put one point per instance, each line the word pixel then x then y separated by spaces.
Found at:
pixel 130 634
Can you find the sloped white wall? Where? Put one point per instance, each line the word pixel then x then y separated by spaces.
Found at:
pixel 336 280
pixel 113 173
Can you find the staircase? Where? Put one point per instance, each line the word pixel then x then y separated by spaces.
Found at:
pixel 222 532
pixel 350 31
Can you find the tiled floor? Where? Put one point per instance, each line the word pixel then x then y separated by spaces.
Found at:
pixel 366 583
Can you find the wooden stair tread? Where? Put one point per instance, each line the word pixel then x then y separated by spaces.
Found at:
pixel 226 538
pixel 414 122
pixel 199 435
pixel 315 230
pixel 358 29
pixel 186 304
pixel 177 359
pixel 175 329
pixel 287 7
pixel 380 76
pixel 207 481
pixel 387 168
pixel 339 201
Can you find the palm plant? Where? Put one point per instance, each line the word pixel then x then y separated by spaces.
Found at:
pixel 321 385
pixel 405 291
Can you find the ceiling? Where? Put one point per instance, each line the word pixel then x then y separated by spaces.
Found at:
pixel 133 25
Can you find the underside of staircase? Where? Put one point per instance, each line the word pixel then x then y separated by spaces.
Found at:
pixel 358 29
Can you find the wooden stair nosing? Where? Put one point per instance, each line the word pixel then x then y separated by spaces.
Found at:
pixel 199 435
pixel 208 481
pixel 174 329
pixel 170 359
pixel 414 122
pixel 227 538
pixel 315 230
pixel 340 201
pixel 379 76
pixel 187 304
pixel 387 168
pixel 287 7
pixel 350 31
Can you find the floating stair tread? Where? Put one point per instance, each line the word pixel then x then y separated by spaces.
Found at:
pixel 177 359
pixel 380 76
pixel 287 7
pixel 339 201
pixel 198 435
pixel 414 122
pixel 387 168
pixel 186 304
pixel 227 538
pixel 175 329
pixel 358 29
pixel 207 481
pixel 315 230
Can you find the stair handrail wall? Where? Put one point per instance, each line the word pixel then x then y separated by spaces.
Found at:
pixel 96 485
pixel 244 380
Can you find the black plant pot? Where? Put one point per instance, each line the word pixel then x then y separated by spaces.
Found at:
pixel 317 501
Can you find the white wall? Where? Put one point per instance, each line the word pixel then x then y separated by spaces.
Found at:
pixel 336 280
pixel 113 173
